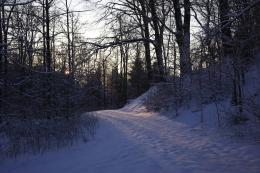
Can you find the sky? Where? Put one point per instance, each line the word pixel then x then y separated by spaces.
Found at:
pixel 92 29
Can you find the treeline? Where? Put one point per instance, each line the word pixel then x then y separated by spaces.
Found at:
pixel 48 69
pixel 47 77
pixel 181 38
pixel 45 69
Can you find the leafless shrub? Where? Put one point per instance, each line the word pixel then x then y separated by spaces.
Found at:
pixel 34 136
pixel 166 97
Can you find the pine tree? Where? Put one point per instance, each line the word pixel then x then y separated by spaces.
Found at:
pixel 138 78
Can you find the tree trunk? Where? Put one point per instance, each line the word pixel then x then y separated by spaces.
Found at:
pixel 146 43
pixel 4 27
pixel 1 66
pixel 44 35
pixel 225 26
pixel 158 40
pixel 183 35
pixel 186 42
pixel 68 36
pixel 48 38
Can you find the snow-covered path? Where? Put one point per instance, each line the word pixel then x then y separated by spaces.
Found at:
pixel 131 142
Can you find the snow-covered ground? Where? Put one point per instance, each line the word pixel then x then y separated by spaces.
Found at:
pixel 132 140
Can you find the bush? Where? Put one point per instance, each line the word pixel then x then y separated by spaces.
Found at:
pixel 39 135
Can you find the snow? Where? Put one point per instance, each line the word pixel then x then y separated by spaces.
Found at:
pixel 137 105
pixel 132 140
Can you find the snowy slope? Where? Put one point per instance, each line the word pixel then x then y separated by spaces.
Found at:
pixel 137 105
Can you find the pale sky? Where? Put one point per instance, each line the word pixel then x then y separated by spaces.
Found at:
pixel 91 29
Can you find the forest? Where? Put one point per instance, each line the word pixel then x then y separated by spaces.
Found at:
pixel 52 72
pixel 46 62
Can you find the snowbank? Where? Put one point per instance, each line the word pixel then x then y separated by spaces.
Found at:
pixel 137 105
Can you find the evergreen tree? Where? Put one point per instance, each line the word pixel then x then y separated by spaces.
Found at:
pixel 138 78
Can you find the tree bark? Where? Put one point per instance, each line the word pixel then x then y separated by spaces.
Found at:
pixel 68 36
pixel 146 43
pixel 183 35
pixel 1 66
pixel 158 40
pixel 48 38
pixel 225 26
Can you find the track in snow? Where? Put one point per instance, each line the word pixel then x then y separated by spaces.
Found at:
pixel 128 142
